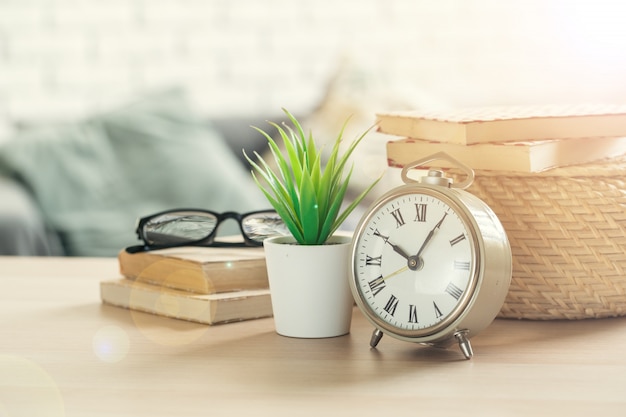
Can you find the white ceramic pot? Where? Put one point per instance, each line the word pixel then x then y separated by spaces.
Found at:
pixel 310 287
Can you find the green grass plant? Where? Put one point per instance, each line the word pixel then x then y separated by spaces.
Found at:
pixel 306 192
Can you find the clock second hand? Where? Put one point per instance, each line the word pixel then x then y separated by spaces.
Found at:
pixel 399 271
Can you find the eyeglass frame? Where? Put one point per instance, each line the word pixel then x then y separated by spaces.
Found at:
pixel 208 241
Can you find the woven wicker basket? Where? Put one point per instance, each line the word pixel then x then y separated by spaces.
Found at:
pixel 567 229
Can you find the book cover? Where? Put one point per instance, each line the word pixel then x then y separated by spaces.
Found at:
pixel 511 156
pixel 506 124
pixel 201 308
pixel 198 269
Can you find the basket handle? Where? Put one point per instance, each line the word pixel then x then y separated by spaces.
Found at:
pixel 469 172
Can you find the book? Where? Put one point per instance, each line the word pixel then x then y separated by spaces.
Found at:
pixel 534 156
pixel 201 308
pixel 506 124
pixel 199 270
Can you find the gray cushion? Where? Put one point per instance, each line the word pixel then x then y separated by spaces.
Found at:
pixel 94 178
pixel 22 232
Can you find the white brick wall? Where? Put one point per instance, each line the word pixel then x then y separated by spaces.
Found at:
pixel 62 58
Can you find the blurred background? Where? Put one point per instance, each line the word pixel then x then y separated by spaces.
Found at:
pixel 61 58
pixel 77 189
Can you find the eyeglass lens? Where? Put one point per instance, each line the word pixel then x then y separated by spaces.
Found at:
pixel 187 226
pixel 259 226
pixel 179 227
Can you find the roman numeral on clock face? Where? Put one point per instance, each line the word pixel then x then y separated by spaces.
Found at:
pixel 383 237
pixel 454 291
pixel 420 212
pixel 457 239
pixel 398 216
pixel 391 305
pixel 462 265
pixel 438 312
pixel 412 314
pixel 373 260
pixel 377 285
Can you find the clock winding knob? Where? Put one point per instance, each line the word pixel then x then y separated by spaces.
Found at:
pixel 435 177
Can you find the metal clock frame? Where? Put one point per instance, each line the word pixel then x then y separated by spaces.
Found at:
pixel 489 281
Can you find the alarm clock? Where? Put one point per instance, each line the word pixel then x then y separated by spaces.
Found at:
pixel 431 263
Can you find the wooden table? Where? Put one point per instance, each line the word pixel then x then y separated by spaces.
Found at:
pixel 63 353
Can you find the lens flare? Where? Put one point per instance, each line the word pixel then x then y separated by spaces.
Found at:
pixel 111 344
pixel 27 389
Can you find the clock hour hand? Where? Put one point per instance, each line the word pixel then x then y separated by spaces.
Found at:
pixel 399 250
pixel 396 248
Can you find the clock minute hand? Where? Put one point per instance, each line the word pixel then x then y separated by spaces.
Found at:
pixel 430 236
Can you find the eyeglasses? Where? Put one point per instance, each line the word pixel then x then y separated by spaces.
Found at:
pixel 194 227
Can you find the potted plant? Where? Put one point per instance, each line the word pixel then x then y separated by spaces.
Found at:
pixel 308 271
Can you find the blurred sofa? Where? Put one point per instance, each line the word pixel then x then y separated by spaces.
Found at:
pixel 76 189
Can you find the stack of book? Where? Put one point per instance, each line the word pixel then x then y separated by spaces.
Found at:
pixel 517 139
pixel 205 285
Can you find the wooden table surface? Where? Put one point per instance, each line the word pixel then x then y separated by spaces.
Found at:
pixel 63 353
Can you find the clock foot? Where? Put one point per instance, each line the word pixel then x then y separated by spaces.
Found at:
pixel 376 336
pixel 464 343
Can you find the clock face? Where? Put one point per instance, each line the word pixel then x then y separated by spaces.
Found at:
pixel 414 262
